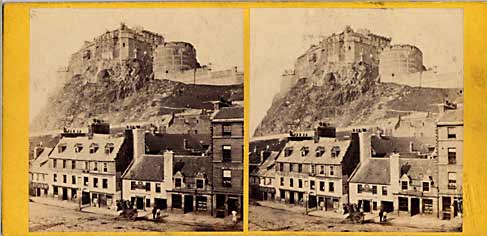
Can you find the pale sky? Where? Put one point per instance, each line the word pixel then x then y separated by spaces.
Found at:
pixel 279 36
pixel 217 35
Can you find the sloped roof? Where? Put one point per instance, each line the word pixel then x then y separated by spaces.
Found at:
pixel 158 143
pixel 267 168
pixel 385 145
pixel 327 143
pixel 274 145
pixel 100 155
pixel 417 168
pixel 146 168
pixel 38 164
pixel 375 171
pixel 229 113
pixel 190 166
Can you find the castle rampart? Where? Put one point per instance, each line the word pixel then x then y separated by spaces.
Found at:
pixel 400 59
pixel 204 76
pixel 175 57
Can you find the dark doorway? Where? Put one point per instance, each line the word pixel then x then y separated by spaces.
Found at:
pixel 38 192
pixel 160 203
pixel 220 201
pixel 73 194
pixel 177 201
pixel 139 203
pixel 188 203
pixel 291 197
pixel 312 201
pixel 233 205
pixel 403 204
pixel 65 194
pixel 414 206
pixel 201 203
pixel 455 208
pixel 45 191
pixel 85 198
pixel 387 206
pixel 366 205
pixel 328 204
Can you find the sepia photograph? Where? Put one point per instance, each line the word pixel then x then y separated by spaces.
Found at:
pixel 356 120
pixel 136 119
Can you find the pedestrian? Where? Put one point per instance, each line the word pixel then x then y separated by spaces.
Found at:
pixel 384 217
pixel 158 214
pixel 381 213
pixel 154 211
pixel 234 217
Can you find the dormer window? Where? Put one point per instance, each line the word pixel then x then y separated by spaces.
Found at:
pixel 426 186
pixel 404 185
pixel 335 151
pixel 288 151
pixel 304 151
pixel 61 147
pixel 93 148
pixel 109 148
pixel 78 147
pixel 178 182
pixel 200 183
pixel 320 151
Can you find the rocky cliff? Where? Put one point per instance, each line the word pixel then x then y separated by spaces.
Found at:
pixel 345 96
pixel 120 92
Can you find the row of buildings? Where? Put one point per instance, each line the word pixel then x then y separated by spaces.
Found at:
pixel 180 172
pixel 328 170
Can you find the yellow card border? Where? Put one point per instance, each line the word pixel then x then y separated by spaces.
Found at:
pixel 16 109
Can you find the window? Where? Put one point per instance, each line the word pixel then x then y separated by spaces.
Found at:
pixel 384 190
pixel 282 181
pixel 158 187
pixel 335 151
pixel 304 151
pixel 313 169
pixel 93 148
pixel 95 167
pixel 426 186
pixel 95 182
pixel 291 167
pixel 64 164
pixel 331 187
pixel 404 185
pixel 132 185
pixel 200 183
pixel 73 179
pixel 54 177
pixel 78 147
pixel 87 165
pixel 291 182
pixel 178 182
pixel 322 170
pixel 300 168
pixel 452 180
pixel 452 155
pixel 288 151
pixel 227 130
pixel 227 153
pixel 73 164
pixel 105 167
pixel 85 181
pixel 320 151
pixel 147 202
pixel 300 183
pixel 312 184
pixel 281 166
pixel 374 189
pixel 61 148
pixel 147 186
pixel 54 163
pixel 374 205
pixel 109 148
pixel 322 186
pixel 451 132
pixel 55 190
pixel 227 178
pixel 360 188
pixel 104 183
pixel 65 178
pixel 332 171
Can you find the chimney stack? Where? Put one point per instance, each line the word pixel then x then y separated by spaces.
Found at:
pixel 395 171
pixel 365 145
pixel 139 142
pixel 168 169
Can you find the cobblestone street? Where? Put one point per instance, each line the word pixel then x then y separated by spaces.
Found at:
pixel 58 219
pixel 271 216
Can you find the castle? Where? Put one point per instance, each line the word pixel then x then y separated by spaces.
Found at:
pixel 166 60
pixel 401 64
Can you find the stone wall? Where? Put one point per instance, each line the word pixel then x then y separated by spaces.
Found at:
pixel 425 79
pixel 175 57
pixel 400 59
pixel 203 76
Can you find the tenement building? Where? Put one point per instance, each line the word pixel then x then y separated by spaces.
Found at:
pixel 88 167
pixel 450 159
pixel 227 130
pixel 313 171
